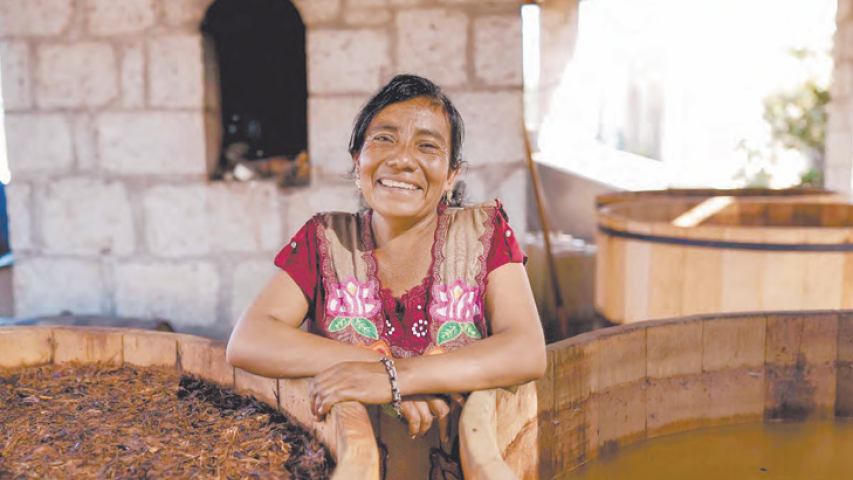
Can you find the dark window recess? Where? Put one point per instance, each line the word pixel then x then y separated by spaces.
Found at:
pixel 260 55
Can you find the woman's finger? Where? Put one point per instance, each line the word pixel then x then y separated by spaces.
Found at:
pixel 413 416
pixel 426 417
pixel 440 410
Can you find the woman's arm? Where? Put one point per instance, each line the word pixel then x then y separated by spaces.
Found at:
pixel 513 354
pixel 267 340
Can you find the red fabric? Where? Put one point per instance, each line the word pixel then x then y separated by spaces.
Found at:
pixel 300 258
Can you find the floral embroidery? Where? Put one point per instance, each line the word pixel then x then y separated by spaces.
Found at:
pixel 456 306
pixel 353 304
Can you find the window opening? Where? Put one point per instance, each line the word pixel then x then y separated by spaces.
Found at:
pixel 258 51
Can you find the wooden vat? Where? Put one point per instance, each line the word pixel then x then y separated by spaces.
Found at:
pixel 745 256
pixel 613 387
pixel 346 432
pixel 804 195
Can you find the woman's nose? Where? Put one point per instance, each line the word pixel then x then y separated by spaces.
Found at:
pixel 402 158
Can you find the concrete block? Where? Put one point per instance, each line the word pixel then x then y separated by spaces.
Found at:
pixel 133 75
pixel 330 123
pixel 35 17
pixel 383 3
pixel 493 127
pixel 497 49
pixel 179 12
pixel 19 205
pixel 318 11
pixel 38 143
pixel 47 286
pixel 118 17
pixel 508 183
pixel 301 205
pixel 81 74
pixel 86 216
pixel 367 17
pixel 247 281
pixel 158 143
pixel 674 349
pixel 17 81
pixel 346 61
pixel 83 137
pixel 200 219
pixel 175 72
pixel 25 347
pixel 433 43
pixel 185 294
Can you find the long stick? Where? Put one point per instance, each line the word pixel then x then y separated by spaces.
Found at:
pixel 562 318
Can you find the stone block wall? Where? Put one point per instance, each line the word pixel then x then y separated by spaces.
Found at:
pixel 839 135
pixel 111 208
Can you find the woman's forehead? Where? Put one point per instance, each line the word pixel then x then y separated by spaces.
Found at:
pixel 418 112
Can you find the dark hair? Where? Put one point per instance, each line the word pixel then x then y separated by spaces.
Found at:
pixel 403 88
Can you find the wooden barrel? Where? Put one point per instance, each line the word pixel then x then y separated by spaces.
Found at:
pixel 802 195
pixel 672 258
pixel 613 387
pixel 346 432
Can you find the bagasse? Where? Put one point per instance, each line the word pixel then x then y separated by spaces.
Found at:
pixel 109 422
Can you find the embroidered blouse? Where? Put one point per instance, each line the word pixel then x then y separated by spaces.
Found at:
pixel 348 303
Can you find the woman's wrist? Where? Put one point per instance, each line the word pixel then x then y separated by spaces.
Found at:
pixel 396 398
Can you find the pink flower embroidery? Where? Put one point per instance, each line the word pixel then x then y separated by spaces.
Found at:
pixel 456 305
pixel 353 299
pixel 353 304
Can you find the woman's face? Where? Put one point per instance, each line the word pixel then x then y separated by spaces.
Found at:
pixel 404 166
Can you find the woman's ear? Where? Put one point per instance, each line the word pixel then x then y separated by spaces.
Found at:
pixel 451 179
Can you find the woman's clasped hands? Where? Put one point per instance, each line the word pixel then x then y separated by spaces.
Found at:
pixel 367 382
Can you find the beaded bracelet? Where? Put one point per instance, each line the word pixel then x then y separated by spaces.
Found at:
pixel 395 389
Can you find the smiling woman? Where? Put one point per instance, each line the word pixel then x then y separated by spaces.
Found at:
pixel 388 323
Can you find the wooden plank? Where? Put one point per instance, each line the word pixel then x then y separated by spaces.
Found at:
pixel 742 277
pixel 823 281
pixel 621 415
pixel 615 281
pixel 356 454
pixel 784 273
pixel 481 458
pixel 205 358
pixel 149 349
pixel 733 342
pixel 736 395
pixel 666 278
pixel 844 385
pixel 545 388
pixel 635 278
pixel 516 409
pixel 702 288
pixel 623 357
pixel 261 388
pixel 574 419
pixel 674 349
pixel 676 404
pixel 25 347
pixel 88 345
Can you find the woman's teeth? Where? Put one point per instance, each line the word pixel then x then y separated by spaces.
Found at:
pixel 396 184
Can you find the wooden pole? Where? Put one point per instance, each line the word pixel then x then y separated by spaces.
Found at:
pixel 562 318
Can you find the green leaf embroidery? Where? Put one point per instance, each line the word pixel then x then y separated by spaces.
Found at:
pixel 339 324
pixel 470 330
pixel 365 327
pixel 448 332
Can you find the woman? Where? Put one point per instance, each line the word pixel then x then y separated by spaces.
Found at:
pixel 410 278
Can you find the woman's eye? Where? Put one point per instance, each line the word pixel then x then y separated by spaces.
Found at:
pixel 429 145
pixel 382 138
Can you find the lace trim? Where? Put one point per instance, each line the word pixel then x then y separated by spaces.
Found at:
pixel 326 266
pixel 438 246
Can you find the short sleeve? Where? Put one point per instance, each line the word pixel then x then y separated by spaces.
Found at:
pixel 299 258
pixel 505 246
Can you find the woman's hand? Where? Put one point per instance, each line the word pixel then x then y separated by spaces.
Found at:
pixel 365 382
pixel 420 412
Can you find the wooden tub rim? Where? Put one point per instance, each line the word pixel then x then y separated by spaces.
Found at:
pixel 615 223
pixel 608 199
pixel 355 449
